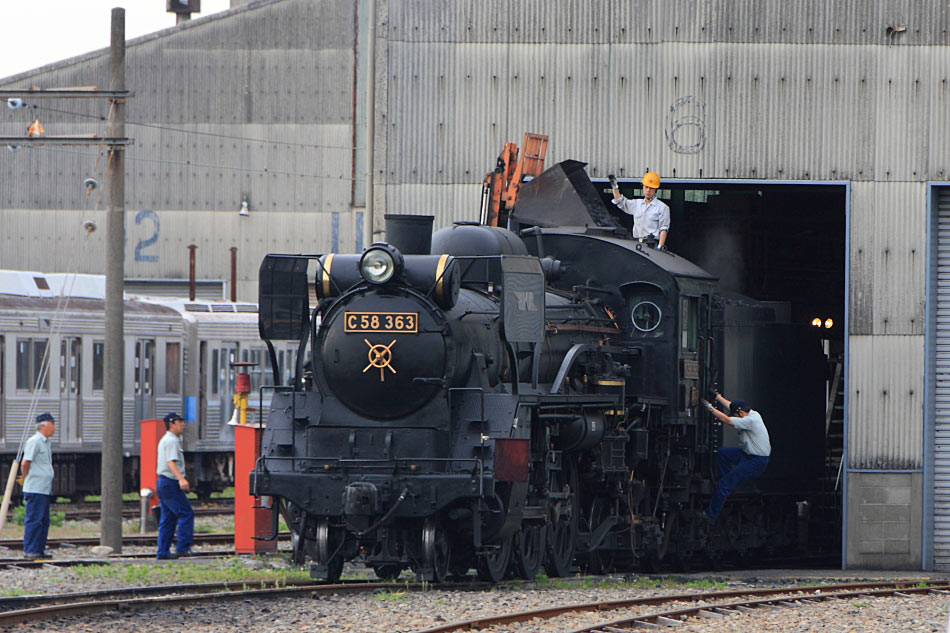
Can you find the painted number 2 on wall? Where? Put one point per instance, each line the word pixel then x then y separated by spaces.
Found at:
pixel 140 247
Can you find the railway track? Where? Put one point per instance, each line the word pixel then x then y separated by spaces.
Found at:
pixel 23 563
pixel 137 539
pixel 716 604
pixel 20 609
pixel 134 513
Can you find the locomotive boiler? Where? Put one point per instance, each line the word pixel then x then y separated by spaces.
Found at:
pixel 512 402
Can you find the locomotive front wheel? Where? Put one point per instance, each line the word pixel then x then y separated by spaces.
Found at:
pixel 436 549
pixel 564 526
pixel 529 550
pixel 328 540
pixel 493 566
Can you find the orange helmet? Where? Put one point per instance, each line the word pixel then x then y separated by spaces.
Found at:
pixel 651 179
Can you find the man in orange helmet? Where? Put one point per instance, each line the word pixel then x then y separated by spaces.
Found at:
pixel 651 217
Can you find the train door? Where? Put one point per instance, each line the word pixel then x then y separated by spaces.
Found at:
pixel 70 389
pixel 227 354
pixel 202 390
pixel 144 379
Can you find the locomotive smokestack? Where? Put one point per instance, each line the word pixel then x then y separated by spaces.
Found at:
pixel 411 234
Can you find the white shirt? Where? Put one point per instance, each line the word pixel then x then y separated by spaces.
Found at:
pixel 169 449
pixel 37 452
pixel 753 436
pixel 648 218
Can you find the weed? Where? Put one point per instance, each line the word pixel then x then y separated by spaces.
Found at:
pixel 860 604
pixel 13 592
pixel 18 515
pixel 705 584
pixel 57 518
pixel 187 572
pixel 391 596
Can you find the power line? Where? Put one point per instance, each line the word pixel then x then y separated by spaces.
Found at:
pixel 199 133
pixel 194 164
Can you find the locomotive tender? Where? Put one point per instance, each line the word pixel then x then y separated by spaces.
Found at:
pixel 519 401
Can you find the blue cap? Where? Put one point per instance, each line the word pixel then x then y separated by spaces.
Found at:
pixel 736 405
pixel 172 417
pixel 45 417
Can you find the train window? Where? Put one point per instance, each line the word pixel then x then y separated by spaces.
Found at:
pixel 29 363
pixel 214 371
pixel 690 323
pixel 98 354
pixel 254 356
pixel 646 316
pixel 172 367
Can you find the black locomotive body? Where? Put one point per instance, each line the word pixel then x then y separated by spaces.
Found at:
pixel 512 403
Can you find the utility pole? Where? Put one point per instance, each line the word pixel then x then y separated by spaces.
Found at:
pixel 111 506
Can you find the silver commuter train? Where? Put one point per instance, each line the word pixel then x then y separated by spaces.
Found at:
pixel 177 358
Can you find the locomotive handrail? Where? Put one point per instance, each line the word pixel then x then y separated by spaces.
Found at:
pixel 567 363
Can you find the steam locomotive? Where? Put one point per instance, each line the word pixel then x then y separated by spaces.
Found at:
pixel 528 399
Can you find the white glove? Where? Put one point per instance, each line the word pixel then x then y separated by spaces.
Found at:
pixel 707 405
pixel 613 181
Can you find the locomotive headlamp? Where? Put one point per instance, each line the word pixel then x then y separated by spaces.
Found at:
pixel 829 323
pixel 816 322
pixel 380 263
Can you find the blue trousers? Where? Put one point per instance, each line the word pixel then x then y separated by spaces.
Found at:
pixel 176 509
pixel 36 524
pixel 734 468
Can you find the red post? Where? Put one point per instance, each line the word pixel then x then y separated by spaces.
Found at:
pixel 152 432
pixel 248 520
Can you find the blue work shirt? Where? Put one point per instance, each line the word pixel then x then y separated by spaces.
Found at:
pixel 40 478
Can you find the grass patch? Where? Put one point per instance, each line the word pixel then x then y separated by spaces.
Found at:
pixel 391 596
pixel 18 516
pixel 188 572
pixel 10 593
pixel 227 493
pixel 128 496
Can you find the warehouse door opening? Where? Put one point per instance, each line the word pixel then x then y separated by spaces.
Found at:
pixel 782 243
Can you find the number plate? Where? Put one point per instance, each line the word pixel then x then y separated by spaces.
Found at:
pixel 381 322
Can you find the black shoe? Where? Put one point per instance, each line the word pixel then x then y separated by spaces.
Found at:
pixel 44 556
pixel 705 517
pixel 184 554
pixel 170 556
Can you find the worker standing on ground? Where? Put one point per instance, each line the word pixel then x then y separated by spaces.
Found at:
pixel 651 217
pixel 736 465
pixel 172 486
pixel 37 469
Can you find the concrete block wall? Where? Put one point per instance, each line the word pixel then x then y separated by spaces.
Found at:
pixel 884 521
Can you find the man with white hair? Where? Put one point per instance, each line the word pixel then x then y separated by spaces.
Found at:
pixel 37 468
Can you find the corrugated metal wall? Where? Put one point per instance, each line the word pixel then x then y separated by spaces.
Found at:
pixel 690 91
pixel 886 397
pixel 255 102
pixel 888 258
